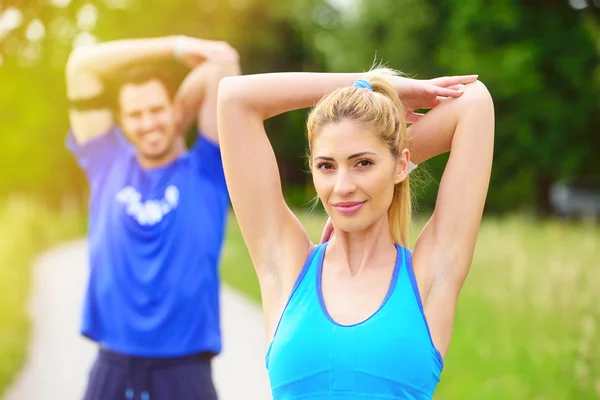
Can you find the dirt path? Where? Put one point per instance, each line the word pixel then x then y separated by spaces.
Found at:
pixel 59 358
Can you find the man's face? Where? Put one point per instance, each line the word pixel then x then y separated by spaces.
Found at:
pixel 149 120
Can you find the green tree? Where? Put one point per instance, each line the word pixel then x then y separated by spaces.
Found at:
pixel 538 59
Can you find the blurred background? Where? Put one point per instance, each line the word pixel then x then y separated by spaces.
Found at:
pixel 528 320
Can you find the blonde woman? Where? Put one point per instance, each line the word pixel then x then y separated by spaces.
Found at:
pixel 359 316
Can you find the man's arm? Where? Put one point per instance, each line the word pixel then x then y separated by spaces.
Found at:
pixel 197 94
pixel 87 69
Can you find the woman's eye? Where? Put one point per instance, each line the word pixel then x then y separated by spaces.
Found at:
pixel 324 166
pixel 364 163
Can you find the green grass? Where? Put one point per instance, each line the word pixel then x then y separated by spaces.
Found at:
pixel 26 228
pixel 528 319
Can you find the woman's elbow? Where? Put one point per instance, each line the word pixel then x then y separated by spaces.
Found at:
pixel 229 90
pixel 477 92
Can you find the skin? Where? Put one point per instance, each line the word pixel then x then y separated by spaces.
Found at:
pixel 149 118
pixel 350 164
pixel 360 256
pixel 352 290
pixel 150 121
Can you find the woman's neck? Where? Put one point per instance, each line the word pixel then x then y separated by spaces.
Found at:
pixel 356 250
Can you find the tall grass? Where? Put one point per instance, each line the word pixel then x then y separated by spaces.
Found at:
pixel 528 318
pixel 527 323
pixel 26 228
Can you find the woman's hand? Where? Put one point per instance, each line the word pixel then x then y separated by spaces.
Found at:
pixel 416 94
pixel 328 231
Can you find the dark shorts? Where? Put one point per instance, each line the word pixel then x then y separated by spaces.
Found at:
pixel 117 376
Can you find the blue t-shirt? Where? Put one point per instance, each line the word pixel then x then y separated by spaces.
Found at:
pixel 155 239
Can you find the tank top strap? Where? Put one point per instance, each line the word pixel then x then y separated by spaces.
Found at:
pixel 309 268
pixel 408 281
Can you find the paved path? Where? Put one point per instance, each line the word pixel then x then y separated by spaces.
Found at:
pixel 59 358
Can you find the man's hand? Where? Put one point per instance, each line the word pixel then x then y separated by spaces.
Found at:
pixel 192 51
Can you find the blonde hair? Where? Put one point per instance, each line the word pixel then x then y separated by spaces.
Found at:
pixel 383 112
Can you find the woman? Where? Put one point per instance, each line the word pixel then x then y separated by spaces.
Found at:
pixel 359 316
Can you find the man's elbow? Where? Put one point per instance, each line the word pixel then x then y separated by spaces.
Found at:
pixel 223 69
pixel 76 61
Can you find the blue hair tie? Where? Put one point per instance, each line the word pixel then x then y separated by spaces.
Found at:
pixel 362 84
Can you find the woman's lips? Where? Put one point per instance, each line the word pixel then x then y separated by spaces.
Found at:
pixel 348 207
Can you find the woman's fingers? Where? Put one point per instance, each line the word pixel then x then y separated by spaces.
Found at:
pixel 444 92
pixel 439 99
pixel 457 87
pixel 327 231
pixel 413 117
pixel 448 81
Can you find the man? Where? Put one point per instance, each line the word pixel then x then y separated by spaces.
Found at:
pixel 157 214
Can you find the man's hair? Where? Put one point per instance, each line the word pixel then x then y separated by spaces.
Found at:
pixel 140 74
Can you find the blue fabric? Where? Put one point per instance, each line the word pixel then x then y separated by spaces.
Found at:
pixel 362 84
pixel 155 239
pixel 390 355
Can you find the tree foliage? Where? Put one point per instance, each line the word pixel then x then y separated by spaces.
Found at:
pixel 538 58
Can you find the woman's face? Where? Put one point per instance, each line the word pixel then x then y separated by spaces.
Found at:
pixel 354 174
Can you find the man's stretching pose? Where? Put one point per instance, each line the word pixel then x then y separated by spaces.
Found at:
pixel 157 214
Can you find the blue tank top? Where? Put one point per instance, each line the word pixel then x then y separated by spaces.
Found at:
pixel 390 355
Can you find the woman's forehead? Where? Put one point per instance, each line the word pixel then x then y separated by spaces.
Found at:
pixel 345 138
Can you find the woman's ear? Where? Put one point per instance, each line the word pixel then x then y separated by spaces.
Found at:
pixel 402 166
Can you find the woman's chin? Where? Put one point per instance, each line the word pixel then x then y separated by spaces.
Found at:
pixel 351 227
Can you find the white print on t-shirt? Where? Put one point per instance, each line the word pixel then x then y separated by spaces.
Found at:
pixel 149 212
